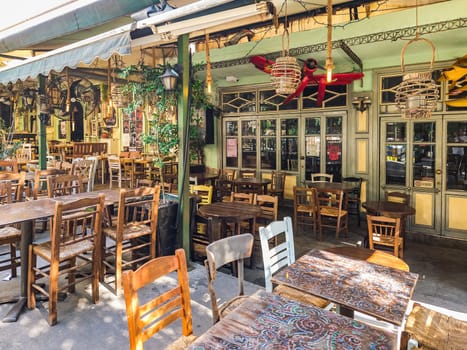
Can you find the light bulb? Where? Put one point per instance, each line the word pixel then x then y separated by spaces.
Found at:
pixel 329 68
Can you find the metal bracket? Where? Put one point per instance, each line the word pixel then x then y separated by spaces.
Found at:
pixel 353 56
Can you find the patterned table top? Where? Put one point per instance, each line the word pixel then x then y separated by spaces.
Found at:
pixel 269 321
pixel 376 290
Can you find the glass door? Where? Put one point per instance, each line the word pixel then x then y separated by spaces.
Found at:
pixel 411 163
pixel 323 140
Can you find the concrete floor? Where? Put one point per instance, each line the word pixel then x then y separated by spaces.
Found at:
pixel 442 284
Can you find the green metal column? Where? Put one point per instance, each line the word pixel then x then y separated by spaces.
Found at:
pixel 43 118
pixel 183 162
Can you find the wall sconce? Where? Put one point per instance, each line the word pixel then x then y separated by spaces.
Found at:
pixel 361 103
pixel 169 78
pixel 29 98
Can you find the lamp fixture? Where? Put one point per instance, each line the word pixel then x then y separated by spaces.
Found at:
pixel 29 98
pixel 361 103
pixel 418 94
pixel 329 62
pixel 169 78
pixel 285 72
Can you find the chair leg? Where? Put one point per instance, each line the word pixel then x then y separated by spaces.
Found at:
pixel 13 259
pixel 31 279
pixel 118 266
pixel 53 292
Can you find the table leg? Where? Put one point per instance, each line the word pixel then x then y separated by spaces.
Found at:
pixel 345 311
pixel 26 240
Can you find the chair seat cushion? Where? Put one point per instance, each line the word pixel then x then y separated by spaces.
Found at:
pixel 302 297
pixel 231 305
pixel 182 342
pixel 130 231
pixel 66 252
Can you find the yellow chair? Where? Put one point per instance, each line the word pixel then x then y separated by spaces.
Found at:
pixel 204 192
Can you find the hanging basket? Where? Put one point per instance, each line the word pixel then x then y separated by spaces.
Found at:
pixel 119 98
pixel 285 75
pixel 418 94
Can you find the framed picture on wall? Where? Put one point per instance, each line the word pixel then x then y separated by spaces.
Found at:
pixel 62 126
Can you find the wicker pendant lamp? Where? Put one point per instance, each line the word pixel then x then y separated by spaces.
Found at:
pixel 285 72
pixel 418 94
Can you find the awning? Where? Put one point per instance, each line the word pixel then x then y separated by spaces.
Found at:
pixel 85 52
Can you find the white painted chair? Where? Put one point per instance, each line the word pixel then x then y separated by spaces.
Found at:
pixel 279 255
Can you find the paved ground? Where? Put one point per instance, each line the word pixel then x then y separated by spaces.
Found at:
pixel 83 325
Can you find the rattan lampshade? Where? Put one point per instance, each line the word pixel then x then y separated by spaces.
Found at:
pixel 285 75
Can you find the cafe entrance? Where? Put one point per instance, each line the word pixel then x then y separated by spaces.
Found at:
pixel 427 159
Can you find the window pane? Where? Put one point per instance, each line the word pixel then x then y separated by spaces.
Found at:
pixel 334 157
pixel 396 132
pixel 395 164
pixel 289 154
pixel 268 153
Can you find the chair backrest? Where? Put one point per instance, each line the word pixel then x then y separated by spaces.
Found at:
pixel 385 231
pixel 201 235
pixel 144 183
pixel 242 197
pixel 322 177
pixel 269 208
pixel 397 197
pixel 76 225
pixel 114 162
pixel 146 318
pixel 167 187
pixel 9 166
pixel 193 180
pixel 356 182
pixel 305 198
pixel 138 206
pixel 233 249
pixel 40 181
pixel 86 169
pixel 278 181
pixel 204 192
pixel 229 173
pixel 334 199
pixel 62 185
pixel 5 192
pixel 276 255
pixel 17 184
pixel 247 173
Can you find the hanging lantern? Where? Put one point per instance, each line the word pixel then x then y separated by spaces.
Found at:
pixel 119 98
pixel 285 73
pixel 418 94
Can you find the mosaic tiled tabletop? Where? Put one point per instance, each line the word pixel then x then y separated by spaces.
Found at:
pixel 269 321
pixel 376 290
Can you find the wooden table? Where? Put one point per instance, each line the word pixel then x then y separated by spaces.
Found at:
pixel 386 208
pixel 380 291
pixel 257 185
pixel 25 213
pixel 269 321
pixel 326 186
pixel 205 178
pixel 231 212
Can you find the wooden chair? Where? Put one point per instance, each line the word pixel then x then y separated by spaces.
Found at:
pixel 229 174
pixel 233 249
pixel 385 231
pixel 193 180
pixel 242 197
pixel 433 329
pixel 9 235
pixel 322 177
pixel 128 171
pixel 277 184
pixel 132 240
pixel 397 197
pixel 306 208
pixel 278 255
pixel 204 192
pixel 9 166
pixel 63 185
pixel 333 213
pixel 269 209
pixel 147 317
pixel 201 236
pixel 168 187
pixel 354 201
pixel 73 250
pixel 17 181
pixel 144 183
pixel 115 171
pixel 247 173
pixel 40 181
